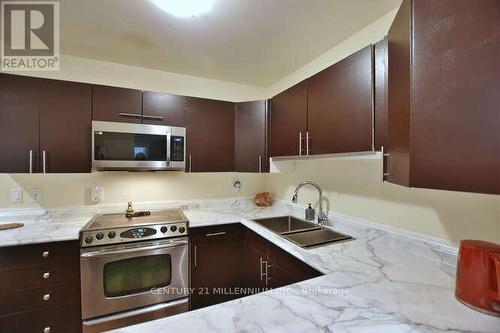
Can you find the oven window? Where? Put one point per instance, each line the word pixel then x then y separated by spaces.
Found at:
pixel 135 275
pixel 113 146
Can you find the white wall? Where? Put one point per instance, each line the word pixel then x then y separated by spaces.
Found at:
pixel 119 75
pixel 354 187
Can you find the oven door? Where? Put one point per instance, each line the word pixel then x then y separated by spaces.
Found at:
pixel 119 278
pixel 122 146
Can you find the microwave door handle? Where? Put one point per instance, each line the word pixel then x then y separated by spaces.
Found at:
pixel 103 253
pixel 169 150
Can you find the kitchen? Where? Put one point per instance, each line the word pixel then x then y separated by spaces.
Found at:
pixel 228 166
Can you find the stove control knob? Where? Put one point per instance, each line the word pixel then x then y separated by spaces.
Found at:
pixel 99 236
pixel 111 234
pixel 88 239
pixel 164 229
pixel 182 229
pixel 173 228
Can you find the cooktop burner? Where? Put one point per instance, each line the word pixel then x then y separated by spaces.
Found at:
pixel 108 229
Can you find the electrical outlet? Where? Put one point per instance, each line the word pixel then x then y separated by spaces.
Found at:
pixel 96 194
pixel 36 195
pixel 16 195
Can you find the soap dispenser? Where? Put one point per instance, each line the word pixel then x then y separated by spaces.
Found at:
pixel 310 213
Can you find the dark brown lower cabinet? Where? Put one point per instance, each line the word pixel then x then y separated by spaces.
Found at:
pixel 40 288
pixel 215 263
pixel 231 261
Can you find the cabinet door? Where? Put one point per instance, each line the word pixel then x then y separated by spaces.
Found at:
pixel 255 256
pixel 19 116
pixel 163 109
pixel 285 269
pixel 381 93
pixel 116 104
pixel 65 121
pixel 289 121
pixel 340 106
pixel 210 135
pixel 251 137
pixel 215 264
pixel 455 113
pixel 398 117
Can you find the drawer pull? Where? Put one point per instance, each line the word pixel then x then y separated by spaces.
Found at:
pixel 46 275
pixel 46 297
pixel 45 254
pixel 216 234
pixel 46 329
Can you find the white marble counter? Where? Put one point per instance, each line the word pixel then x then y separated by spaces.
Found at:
pixel 42 227
pixel 382 281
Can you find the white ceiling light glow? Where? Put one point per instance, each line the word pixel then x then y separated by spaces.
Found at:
pixel 184 8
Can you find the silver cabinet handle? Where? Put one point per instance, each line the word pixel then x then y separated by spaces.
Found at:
pixel 384 174
pixel 267 272
pixel 45 254
pixel 133 115
pixel 216 234
pixel 46 275
pixel 300 143
pixel 31 161
pixel 46 329
pixel 147 116
pixel 307 142
pixel 190 163
pixel 261 271
pixel 44 158
pixel 195 261
pixel 46 297
pixel 260 163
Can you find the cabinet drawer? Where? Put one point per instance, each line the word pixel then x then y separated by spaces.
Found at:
pixel 37 254
pixel 39 298
pixel 216 233
pixel 62 319
pixel 38 276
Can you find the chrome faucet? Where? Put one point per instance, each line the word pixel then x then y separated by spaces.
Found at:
pixel 322 218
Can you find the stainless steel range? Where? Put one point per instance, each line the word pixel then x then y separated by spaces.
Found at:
pixel 133 269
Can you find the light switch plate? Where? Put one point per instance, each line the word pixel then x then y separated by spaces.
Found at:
pixel 96 194
pixel 36 195
pixel 16 195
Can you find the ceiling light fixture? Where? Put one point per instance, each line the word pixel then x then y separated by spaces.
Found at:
pixel 184 8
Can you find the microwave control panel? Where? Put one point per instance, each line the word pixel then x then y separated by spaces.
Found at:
pixel 177 148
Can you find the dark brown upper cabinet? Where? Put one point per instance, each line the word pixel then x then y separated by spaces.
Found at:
pixel 444 117
pixel 381 71
pixel 163 109
pixel 340 106
pixel 289 121
pixel 65 122
pixel 45 125
pixel 19 125
pixel 251 137
pixel 210 135
pixel 116 104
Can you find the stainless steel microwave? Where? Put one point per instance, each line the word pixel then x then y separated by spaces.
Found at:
pixel 123 146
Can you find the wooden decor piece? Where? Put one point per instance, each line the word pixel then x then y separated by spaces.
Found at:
pixel 11 226
pixel 263 199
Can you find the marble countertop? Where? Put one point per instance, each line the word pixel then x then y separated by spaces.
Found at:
pixel 43 227
pixel 382 281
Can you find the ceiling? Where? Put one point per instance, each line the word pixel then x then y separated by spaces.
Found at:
pixel 256 42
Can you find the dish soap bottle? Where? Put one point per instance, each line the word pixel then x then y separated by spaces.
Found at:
pixel 310 213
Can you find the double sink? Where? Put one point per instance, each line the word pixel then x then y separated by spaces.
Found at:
pixel 303 233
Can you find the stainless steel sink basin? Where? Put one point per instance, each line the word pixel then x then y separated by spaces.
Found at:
pixel 316 237
pixel 303 233
pixel 286 224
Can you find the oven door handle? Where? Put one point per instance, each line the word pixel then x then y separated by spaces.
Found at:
pixel 102 253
